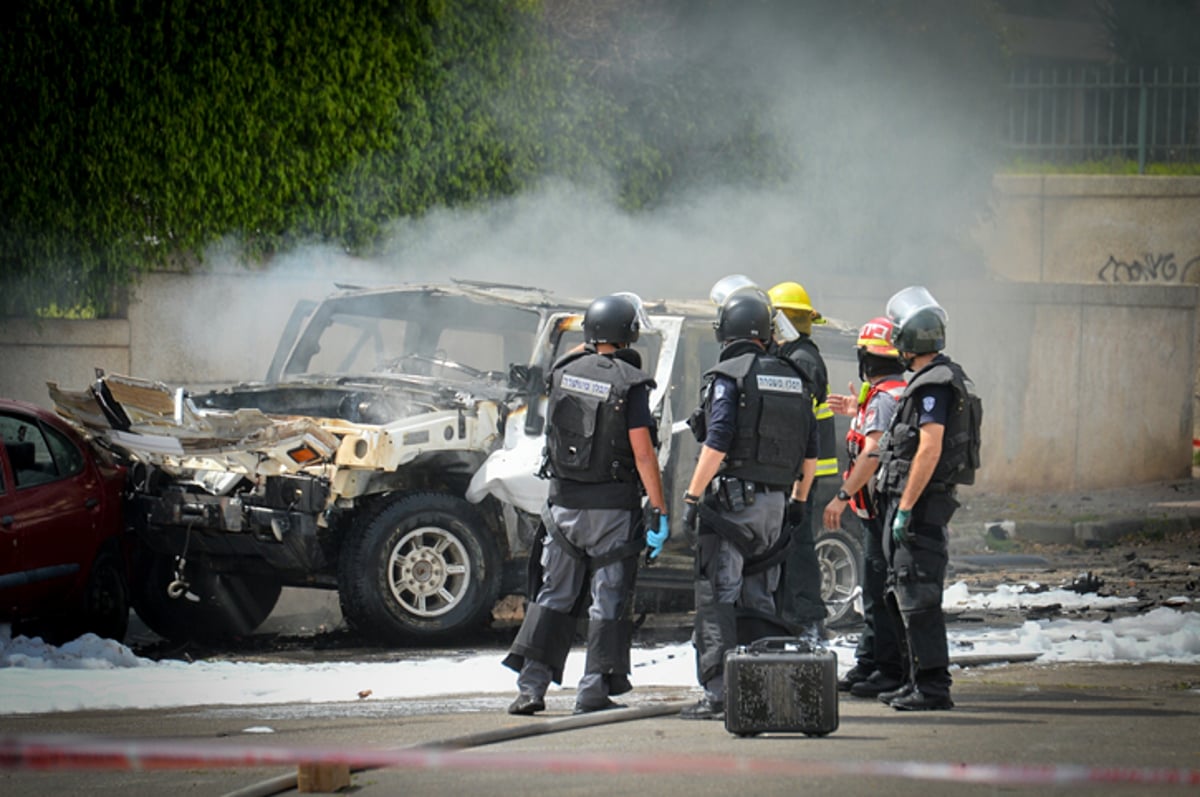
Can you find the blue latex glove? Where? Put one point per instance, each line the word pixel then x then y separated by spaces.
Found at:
pixel 656 538
pixel 900 525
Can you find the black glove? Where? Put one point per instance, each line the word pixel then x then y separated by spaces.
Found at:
pixel 691 512
pixel 796 510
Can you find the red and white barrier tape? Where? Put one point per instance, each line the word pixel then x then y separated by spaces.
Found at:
pixel 97 753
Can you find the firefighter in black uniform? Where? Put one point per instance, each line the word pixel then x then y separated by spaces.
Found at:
pixel 799 598
pixel 600 456
pixel 759 445
pixel 931 446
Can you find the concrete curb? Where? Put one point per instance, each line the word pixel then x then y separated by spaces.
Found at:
pixel 1082 533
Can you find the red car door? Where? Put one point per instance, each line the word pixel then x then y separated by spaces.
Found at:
pixel 50 514
pixel 12 580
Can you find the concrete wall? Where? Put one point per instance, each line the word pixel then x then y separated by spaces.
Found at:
pixel 1068 403
pixel 1094 229
pixel 1097 229
pixel 194 329
pixel 67 352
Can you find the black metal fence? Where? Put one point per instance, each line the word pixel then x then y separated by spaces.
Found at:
pixel 1086 114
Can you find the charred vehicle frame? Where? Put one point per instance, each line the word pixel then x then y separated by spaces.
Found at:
pixel 390 454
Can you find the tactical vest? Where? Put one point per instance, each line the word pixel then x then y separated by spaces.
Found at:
pixel 861 502
pixel 587 438
pixel 960 442
pixel 804 354
pixel 772 419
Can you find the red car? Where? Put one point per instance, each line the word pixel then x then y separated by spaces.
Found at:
pixel 64 555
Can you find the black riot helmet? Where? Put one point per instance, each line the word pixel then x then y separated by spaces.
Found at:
pixel 746 315
pixel 922 332
pixel 611 319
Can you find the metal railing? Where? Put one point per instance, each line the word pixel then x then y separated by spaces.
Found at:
pixel 1084 114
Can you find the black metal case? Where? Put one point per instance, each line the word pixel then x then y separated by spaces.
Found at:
pixel 781 684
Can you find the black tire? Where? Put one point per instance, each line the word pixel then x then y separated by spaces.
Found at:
pixel 106 598
pixel 840 559
pixel 215 607
pixel 424 567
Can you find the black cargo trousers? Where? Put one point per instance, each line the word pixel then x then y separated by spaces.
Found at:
pixel 879 645
pixel 915 583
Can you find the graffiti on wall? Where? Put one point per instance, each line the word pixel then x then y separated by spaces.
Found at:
pixel 1151 268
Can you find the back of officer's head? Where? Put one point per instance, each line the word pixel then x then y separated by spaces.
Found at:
pixel 745 315
pixel 611 319
pixel 923 332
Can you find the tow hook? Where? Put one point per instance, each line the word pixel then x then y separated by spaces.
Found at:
pixel 179 587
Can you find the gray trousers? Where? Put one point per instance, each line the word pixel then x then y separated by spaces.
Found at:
pixel 721 586
pixel 596 532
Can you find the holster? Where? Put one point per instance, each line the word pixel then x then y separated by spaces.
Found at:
pixel 733 494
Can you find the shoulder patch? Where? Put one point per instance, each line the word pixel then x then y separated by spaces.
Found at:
pixel 928 403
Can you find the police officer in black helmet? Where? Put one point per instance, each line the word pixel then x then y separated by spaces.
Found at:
pixel 759 445
pixel 600 457
pixel 931 447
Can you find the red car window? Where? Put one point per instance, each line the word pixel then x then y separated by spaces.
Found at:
pixel 68 460
pixel 29 454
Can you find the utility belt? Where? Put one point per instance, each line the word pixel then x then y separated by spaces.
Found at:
pixel 733 494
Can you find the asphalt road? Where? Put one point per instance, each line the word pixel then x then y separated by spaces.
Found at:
pixel 1111 729
pixel 1141 719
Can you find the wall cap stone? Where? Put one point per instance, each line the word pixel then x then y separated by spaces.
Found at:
pixel 102 332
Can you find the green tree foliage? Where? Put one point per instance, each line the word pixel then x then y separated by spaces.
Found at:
pixel 142 132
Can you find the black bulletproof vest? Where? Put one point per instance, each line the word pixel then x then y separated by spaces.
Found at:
pixel 587 438
pixel 774 413
pixel 960 441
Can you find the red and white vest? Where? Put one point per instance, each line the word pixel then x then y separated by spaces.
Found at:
pixel 862 502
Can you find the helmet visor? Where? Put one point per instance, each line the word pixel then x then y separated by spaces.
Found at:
pixel 643 320
pixel 785 330
pixel 908 302
pixel 728 286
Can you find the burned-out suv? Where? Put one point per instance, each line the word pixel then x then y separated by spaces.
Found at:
pixel 390 455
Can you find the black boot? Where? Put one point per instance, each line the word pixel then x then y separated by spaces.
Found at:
pixel 704 709
pixel 876 684
pixel 903 691
pixel 920 701
pixel 857 673
pixel 605 706
pixel 527 705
